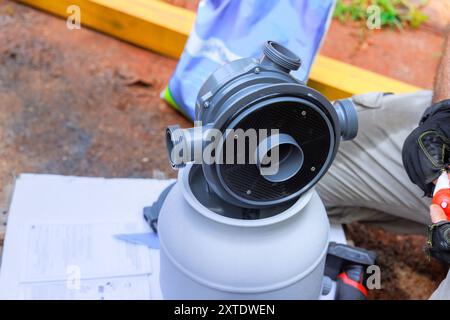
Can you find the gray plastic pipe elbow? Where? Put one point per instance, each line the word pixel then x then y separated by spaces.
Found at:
pixel 348 118
pixel 184 145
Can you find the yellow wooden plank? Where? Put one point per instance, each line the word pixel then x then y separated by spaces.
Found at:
pixel 337 79
pixel 164 28
pixel 154 25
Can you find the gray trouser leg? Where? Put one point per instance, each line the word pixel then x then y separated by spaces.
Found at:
pixel 443 291
pixel 367 181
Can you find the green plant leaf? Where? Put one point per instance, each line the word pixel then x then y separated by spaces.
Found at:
pixel 393 13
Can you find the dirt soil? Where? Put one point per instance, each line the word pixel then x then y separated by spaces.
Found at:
pixel 82 103
pixel 411 56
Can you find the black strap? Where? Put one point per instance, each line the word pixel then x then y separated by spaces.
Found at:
pixel 151 213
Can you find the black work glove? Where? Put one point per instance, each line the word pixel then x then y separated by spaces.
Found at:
pixel 426 151
pixel 438 245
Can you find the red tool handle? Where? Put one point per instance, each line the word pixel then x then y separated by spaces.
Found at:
pixel 442 198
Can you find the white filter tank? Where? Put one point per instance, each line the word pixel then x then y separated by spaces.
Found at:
pixel 208 254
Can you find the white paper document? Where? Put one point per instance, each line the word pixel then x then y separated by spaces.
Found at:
pixel 60 241
pixel 53 250
pixel 119 288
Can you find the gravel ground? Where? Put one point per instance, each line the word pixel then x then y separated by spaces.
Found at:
pixel 82 103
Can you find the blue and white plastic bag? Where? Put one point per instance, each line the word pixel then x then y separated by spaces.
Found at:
pixel 227 30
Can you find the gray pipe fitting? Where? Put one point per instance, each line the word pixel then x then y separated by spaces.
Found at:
pixel 262 94
pixel 289 157
pixel 348 118
pixel 185 145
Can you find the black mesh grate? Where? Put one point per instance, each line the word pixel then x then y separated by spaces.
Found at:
pixel 311 132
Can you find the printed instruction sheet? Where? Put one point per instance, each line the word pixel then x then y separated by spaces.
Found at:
pixel 60 240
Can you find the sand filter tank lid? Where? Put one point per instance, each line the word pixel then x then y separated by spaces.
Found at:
pixel 260 95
